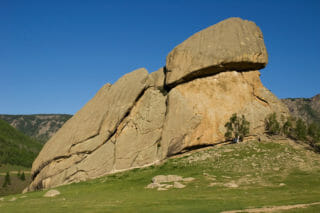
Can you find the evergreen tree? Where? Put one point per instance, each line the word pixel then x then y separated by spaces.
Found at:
pixel 7 180
pixel 22 177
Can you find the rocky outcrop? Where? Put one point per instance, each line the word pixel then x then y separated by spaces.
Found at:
pixel 144 118
pixel 198 110
pixel 233 44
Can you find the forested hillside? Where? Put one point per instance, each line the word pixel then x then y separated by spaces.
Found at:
pixel 15 147
pixel 40 126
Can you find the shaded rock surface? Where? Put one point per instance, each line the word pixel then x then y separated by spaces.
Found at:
pixel 140 120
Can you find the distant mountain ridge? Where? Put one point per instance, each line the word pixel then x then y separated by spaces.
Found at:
pixel 15 147
pixel 308 109
pixel 38 126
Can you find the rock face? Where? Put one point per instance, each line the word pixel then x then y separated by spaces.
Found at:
pixel 198 110
pixel 233 44
pixel 144 118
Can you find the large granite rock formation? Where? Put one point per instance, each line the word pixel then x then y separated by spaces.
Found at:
pixel 144 118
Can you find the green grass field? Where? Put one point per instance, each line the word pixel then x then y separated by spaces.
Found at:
pixel 262 174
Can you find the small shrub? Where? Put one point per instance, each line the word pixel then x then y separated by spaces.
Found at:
pixel 288 127
pixel 272 126
pixel 237 128
pixel 314 132
pixel 301 130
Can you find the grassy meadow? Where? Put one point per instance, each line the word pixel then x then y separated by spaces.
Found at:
pixel 230 177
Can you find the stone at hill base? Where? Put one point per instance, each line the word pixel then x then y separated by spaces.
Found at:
pixel 166 178
pixel 164 182
pixel 178 185
pixel 13 199
pixel 51 193
pixel 188 179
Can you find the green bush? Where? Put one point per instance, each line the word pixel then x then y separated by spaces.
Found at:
pixel 237 128
pixel 272 126
pixel 288 127
pixel 301 130
pixel 314 132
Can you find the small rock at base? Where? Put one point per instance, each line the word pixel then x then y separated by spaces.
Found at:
pixel 51 193
pixel 231 185
pixel 167 186
pixel 178 185
pixel 13 199
pixel 282 184
pixel 152 186
pixel 213 184
pixel 188 179
pixel 166 178
pixel 162 189
pixel 25 190
pixel 1 198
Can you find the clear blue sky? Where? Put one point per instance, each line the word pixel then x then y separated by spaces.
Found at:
pixel 55 55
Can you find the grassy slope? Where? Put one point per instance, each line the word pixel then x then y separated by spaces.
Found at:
pixel 17 185
pixel 15 147
pixel 257 168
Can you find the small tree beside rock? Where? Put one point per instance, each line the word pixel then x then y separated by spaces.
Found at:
pixel 7 180
pixel 237 128
pixel 22 176
pixel 301 130
pixel 272 125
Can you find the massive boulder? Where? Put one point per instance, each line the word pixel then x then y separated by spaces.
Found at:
pixel 232 44
pixel 198 110
pixel 144 118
